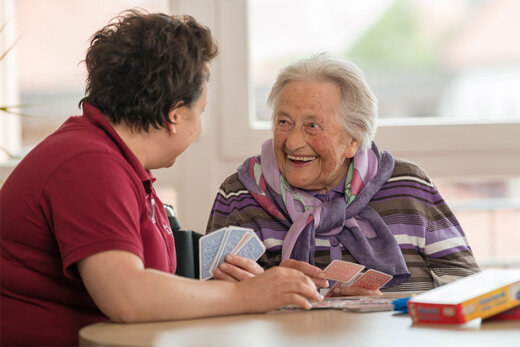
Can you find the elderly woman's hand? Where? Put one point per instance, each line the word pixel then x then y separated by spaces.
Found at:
pixel 237 268
pixel 316 274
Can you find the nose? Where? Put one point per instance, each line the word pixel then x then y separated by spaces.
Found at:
pixel 295 140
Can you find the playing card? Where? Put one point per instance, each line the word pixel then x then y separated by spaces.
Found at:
pixel 244 239
pixel 231 239
pixel 208 249
pixel 219 251
pixel 370 307
pixel 372 279
pixel 327 305
pixel 342 271
pixel 368 304
pixel 331 290
pixel 253 248
pixel 357 304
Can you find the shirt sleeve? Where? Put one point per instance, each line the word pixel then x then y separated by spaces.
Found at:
pixel 93 203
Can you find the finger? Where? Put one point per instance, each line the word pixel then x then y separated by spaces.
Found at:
pixel 293 280
pixel 220 275
pixel 303 286
pixel 294 299
pixel 308 269
pixel 316 274
pixel 320 282
pixel 235 272
pixel 247 264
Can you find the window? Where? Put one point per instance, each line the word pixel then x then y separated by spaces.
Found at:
pixel 453 59
pixel 446 74
pixel 46 60
pixel 489 211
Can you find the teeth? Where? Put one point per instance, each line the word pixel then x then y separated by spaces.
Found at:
pixel 292 157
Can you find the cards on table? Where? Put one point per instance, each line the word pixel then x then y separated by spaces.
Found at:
pixel 347 274
pixel 352 304
pixel 214 247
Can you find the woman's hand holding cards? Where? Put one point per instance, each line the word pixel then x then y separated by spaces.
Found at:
pixel 237 268
pixel 350 280
pixel 316 274
pixel 275 288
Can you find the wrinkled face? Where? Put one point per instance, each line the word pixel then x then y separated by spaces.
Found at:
pixel 311 147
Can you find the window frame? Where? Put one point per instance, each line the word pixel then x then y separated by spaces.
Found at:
pixel 445 148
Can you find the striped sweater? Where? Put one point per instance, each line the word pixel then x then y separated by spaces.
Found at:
pixel 432 242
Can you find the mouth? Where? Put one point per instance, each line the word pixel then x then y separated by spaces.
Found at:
pixel 300 158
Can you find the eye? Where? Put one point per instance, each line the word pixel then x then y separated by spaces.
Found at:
pixel 314 125
pixel 283 123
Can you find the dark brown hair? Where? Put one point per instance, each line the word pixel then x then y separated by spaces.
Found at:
pixel 142 65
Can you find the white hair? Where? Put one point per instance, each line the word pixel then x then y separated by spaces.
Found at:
pixel 358 109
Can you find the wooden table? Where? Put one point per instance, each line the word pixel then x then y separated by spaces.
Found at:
pixel 303 328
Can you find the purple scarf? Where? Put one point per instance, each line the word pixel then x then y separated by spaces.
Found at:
pixel 349 219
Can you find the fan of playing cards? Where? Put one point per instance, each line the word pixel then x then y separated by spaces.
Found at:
pixel 349 274
pixel 214 247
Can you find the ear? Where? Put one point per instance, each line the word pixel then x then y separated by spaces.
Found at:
pixel 174 115
pixel 171 128
pixel 351 149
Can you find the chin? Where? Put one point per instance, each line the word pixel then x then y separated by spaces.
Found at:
pixel 169 164
pixel 299 184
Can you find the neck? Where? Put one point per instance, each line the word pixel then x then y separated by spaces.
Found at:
pixel 340 179
pixel 135 141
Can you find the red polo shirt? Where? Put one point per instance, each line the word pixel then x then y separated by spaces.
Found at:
pixel 79 192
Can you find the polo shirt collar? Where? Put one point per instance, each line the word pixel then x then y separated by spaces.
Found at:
pixel 98 119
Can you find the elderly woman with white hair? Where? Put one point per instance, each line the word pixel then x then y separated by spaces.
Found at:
pixel 322 190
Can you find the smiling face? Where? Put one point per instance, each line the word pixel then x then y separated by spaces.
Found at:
pixel 311 146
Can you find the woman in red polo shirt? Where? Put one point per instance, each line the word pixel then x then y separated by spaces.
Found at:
pixel 81 239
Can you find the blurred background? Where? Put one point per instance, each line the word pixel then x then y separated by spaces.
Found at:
pixel 446 73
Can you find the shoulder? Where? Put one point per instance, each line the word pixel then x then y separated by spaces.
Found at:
pixel 75 141
pixel 66 157
pixel 97 175
pixel 83 156
pixel 408 170
pixel 78 135
pixel 232 184
pixel 233 205
pixel 409 186
pixel 407 167
pixel 83 164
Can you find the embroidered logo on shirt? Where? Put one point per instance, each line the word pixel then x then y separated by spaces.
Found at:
pixel 168 229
